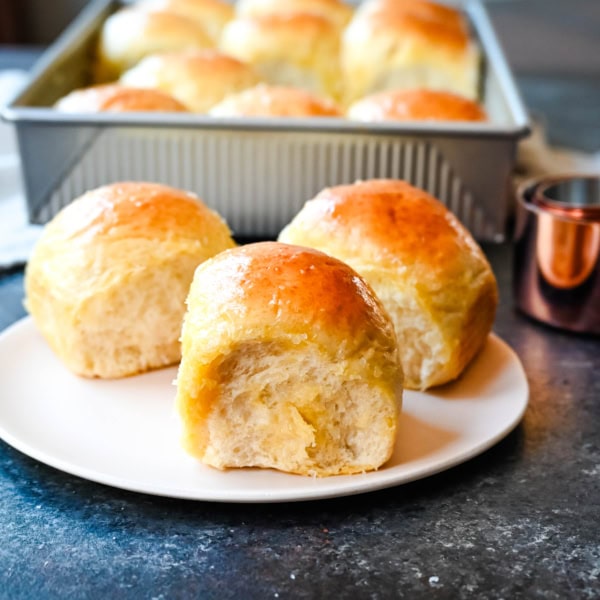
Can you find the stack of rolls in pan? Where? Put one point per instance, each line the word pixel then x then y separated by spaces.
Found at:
pixel 385 60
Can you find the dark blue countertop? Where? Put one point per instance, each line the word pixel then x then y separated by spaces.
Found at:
pixel 521 520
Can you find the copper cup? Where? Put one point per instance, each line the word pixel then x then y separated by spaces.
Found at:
pixel 557 252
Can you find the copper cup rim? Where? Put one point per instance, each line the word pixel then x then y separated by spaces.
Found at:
pixel 531 194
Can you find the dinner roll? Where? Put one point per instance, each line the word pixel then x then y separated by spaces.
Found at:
pixel 107 281
pixel 409 44
pixel 275 101
pixel 415 105
pixel 336 11
pixel 422 263
pixel 289 361
pixel 211 15
pixel 130 34
pixel 117 98
pixel 199 79
pixel 423 9
pixel 297 50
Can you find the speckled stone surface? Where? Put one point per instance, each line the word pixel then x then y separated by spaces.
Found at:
pixel 520 521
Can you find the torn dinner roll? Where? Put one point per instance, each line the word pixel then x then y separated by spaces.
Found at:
pixel 289 361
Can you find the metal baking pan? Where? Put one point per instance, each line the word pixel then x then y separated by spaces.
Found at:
pixel 257 173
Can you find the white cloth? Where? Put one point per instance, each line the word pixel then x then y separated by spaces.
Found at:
pixel 17 236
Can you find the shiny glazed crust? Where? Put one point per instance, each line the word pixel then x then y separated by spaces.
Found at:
pixel 275 101
pixel 107 280
pixel 288 361
pixel 198 79
pixel 430 274
pixel 416 105
pixel 117 98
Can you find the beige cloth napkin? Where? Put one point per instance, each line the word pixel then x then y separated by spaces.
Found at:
pixel 537 158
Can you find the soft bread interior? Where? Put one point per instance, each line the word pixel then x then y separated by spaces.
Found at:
pixel 424 351
pixel 296 410
pixel 437 336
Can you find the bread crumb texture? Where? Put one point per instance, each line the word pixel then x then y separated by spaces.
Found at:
pixel 289 362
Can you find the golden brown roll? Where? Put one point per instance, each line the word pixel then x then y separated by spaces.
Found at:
pixel 275 101
pixel 117 98
pixel 199 79
pixel 211 15
pixel 290 362
pixel 409 44
pixel 336 11
pixel 107 281
pixel 422 263
pixel 130 34
pixel 429 10
pixel 297 50
pixel 415 105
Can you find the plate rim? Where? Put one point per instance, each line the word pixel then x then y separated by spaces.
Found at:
pixel 353 484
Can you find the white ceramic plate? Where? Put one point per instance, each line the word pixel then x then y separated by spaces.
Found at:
pixel 125 433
